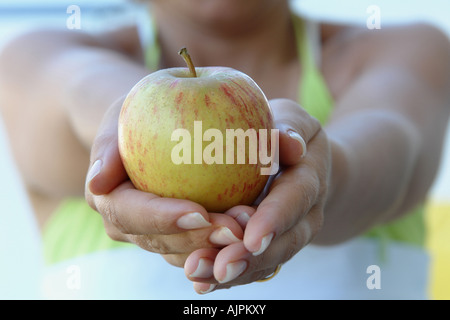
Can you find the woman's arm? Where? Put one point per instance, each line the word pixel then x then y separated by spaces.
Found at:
pixel 389 125
pixel 55 87
pixel 375 160
pixel 392 97
pixel 59 88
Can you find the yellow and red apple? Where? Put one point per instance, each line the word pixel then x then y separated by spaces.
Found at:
pixel 173 130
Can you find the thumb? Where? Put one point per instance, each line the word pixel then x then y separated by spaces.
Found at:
pixel 291 120
pixel 292 145
pixel 106 170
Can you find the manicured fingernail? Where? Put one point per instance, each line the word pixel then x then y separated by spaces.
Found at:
pixel 210 288
pixel 243 218
pixel 223 236
pixel 204 288
pixel 294 135
pixel 234 269
pixel 264 244
pixel 205 269
pixel 93 172
pixel 193 220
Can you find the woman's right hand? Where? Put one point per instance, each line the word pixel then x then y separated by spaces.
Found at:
pixel 171 227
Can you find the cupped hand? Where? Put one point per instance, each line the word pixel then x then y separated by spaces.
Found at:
pixel 171 227
pixel 288 217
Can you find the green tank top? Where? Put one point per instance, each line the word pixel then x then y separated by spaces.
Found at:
pixel 75 229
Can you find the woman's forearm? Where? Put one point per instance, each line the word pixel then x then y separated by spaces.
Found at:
pixel 97 79
pixel 386 154
pixel 55 88
pixel 374 153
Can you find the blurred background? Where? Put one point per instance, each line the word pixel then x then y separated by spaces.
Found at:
pixel 19 241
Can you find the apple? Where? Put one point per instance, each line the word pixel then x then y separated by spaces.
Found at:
pixel 200 134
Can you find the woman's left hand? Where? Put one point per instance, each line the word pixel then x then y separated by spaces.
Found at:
pixel 285 221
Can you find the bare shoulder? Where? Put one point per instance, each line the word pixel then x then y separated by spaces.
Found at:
pixel 47 45
pixel 45 41
pixel 420 48
pixel 125 40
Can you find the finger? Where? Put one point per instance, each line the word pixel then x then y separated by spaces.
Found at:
pixel 216 236
pixel 150 228
pixel 211 269
pixel 292 147
pixel 231 262
pixel 199 268
pixel 234 265
pixel 287 202
pixel 199 265
pixel 204 265
pixel 106 170
pixel 296 127
pixel 177 260
pixel 114 233
pixel 284 247
pixel 204 288
pixel 140 213
pixel 136 212
pixel 241 214
pixel 291 196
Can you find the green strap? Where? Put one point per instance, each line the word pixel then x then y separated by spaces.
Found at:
pixel 314 95
pixel 410 229
pixel 153 51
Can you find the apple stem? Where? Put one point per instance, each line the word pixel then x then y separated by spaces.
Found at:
pixel 187 58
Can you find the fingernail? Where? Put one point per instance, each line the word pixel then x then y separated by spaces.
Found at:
pixel 223 236
pixel 234 269
pixel 243 218
pixel 294 135
pixel 264 244
pixel 94 170
pixel 193 220
pixel 210 288
pixel 205 269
